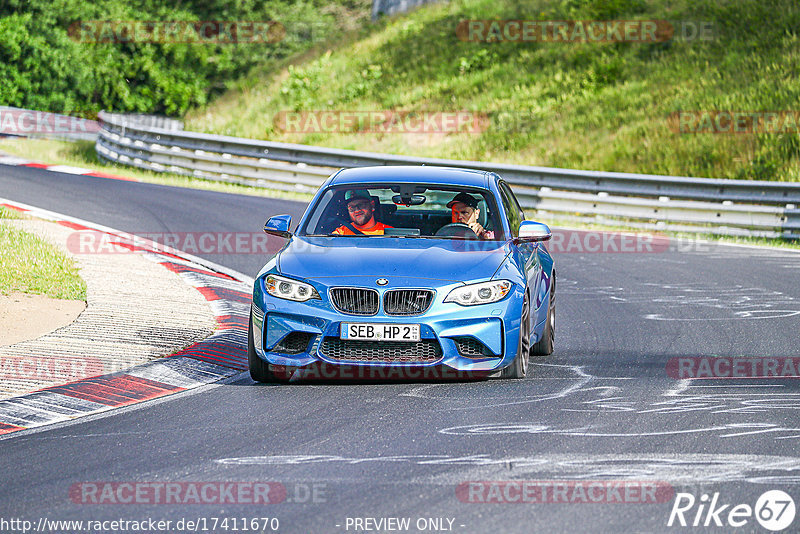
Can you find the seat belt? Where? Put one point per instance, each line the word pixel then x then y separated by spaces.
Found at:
pixel 353 229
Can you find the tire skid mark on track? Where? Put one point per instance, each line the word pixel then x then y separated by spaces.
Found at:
pixel 723 430
pixel 682 469
pixel 219 356
pixel 576 383
pixel 694 302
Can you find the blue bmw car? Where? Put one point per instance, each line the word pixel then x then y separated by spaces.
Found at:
pixel 408 268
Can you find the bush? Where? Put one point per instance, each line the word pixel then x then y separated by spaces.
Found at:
pixel 600 106
pixel 43 68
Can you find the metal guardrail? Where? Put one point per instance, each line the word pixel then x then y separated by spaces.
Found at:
pixel 704 205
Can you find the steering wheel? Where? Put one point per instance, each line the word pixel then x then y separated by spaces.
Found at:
pixel 456 230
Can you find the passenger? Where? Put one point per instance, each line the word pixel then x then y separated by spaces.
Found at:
pixel 361 209
pixel 465 211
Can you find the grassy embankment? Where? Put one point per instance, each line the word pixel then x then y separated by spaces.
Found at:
pixel 598 106
pixel 30 264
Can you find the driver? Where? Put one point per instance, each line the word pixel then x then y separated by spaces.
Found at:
pixel 465 211
pixel 361 209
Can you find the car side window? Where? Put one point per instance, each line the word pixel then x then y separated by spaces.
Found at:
pixel 511 207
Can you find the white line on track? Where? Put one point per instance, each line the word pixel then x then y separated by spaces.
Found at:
pixel 745 386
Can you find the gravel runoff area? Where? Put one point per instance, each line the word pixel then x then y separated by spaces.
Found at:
pixel 137 311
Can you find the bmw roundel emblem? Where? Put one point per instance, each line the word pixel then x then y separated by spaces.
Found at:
pixel 381 281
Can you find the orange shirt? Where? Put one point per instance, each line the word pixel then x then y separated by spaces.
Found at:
pixel 376 229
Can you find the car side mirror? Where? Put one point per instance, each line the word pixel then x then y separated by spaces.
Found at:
pixel 530 231
pixel 279 226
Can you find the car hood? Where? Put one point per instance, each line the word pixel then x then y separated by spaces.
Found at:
pixel 440 259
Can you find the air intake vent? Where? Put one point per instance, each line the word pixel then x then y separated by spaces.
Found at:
pixel 423 351
pixel 355 300
pixel 407 301
pixel 294 343
pixel 472 348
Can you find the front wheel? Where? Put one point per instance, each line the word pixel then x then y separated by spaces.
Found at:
pixel 519 367
pixel 544 346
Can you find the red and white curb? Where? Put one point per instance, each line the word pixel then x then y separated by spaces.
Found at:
pixel 221 355
pixel 22 162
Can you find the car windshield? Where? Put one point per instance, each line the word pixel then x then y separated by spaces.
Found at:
pixel 405 210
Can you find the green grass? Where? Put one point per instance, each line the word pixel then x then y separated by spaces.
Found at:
pixel 82 154
pixel 30 264
pixel 6 213
pixel 573 105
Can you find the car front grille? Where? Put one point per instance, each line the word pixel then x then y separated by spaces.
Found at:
pixel 407 301
pixel 294 343
pixel 423 351
pixel 472 348
pixel 355 300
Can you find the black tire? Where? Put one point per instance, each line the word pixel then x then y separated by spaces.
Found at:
pixel 259 369
pixel 519 367
pixel 544 346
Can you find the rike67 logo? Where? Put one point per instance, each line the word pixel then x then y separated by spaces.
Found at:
pixel 774 510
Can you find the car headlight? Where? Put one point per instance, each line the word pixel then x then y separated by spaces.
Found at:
pixel 482 293
pixel 286 288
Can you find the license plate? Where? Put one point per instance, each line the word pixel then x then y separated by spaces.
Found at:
pixel 382 332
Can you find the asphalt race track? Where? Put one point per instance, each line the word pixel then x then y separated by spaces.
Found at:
pixel 602 407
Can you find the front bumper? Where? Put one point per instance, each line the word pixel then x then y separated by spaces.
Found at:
pixel 446 327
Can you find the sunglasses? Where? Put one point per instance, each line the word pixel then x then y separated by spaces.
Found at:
pixel 359 206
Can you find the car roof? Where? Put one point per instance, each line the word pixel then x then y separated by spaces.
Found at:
pixel 412 173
